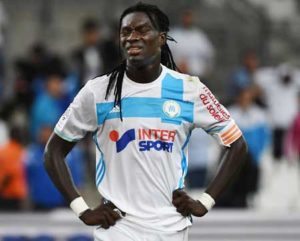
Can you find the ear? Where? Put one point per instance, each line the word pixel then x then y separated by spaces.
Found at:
pixel 162 38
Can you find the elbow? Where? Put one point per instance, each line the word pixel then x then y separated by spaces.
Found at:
pixel 242 149
pixel 47 158
pixel 244 146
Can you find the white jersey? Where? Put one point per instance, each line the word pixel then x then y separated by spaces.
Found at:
pixel 143 159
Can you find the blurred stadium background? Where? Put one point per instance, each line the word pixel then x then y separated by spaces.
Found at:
pixel 246 51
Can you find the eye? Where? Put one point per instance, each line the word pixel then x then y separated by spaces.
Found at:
pixel 144 29
pixel 125 31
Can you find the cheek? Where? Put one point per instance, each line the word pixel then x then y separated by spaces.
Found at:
pixel 122 42
pixel 153 43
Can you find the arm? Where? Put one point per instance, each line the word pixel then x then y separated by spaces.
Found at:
pixel 55 152
pixel 231 161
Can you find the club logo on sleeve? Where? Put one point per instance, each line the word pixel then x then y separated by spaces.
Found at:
pixel 148 139
pixel 171 108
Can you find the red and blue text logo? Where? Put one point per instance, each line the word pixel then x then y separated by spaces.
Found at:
pixel 148 139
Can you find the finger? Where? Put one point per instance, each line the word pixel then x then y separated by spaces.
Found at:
pixel 104 222
pixel 179 200
pixel 177 193
pixel 184 209
pixel 117 213
pixel 186 206
pixel 185 213
pixel 110 205
pixel 109 218
pixel 117 210
pixel 114 214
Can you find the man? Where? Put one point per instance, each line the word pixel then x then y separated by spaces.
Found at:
pixel 13 183
pixel 244 77
pixel 142 120
pixel 280 88
pixel 95 56
pixel 193 52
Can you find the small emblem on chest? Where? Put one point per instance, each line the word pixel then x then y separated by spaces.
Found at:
pixel 171 108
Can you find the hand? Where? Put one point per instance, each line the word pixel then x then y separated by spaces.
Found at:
pixel 103 215
pixel 186 205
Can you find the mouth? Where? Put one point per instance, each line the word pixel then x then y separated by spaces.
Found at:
pixel 134 50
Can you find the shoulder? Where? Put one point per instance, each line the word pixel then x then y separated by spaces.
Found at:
pixel 187 79
pixel 96 85
pixel 192 87
pixel 98 81
pixel 94 90
pixel 190 83
pixel 90 90
pixel 175 74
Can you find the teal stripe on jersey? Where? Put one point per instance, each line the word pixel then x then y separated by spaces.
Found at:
pixel 172 88
pixel 95 140
pixel 184 164
pixel 100 173
pixel 144 108
pixel 104 109
pixel 100 168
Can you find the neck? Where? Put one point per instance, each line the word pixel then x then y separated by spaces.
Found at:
pixel 144 73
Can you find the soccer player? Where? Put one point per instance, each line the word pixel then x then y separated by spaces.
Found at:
pixel 141 116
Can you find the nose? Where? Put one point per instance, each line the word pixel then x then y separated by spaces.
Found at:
pixel 133 36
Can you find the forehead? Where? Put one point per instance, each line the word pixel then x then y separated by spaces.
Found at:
pixel 136 19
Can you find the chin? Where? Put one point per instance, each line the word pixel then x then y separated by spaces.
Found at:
pixel 137 61
pixel 142 61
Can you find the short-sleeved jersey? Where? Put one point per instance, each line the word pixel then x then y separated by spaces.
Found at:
pixel 142 158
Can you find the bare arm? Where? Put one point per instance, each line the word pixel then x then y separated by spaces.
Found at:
pixel 231 162
pixel 55 152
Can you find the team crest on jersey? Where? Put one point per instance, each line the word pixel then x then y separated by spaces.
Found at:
pixel 171 108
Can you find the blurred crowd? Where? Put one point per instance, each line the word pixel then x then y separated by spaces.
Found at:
pixel 264 101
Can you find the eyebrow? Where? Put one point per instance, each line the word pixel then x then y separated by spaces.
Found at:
pixel 139 25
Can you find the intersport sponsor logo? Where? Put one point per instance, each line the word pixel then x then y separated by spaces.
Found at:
pixel 148 139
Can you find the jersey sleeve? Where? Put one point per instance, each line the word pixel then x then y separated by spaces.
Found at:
pixel 79 118
pixel 214 118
